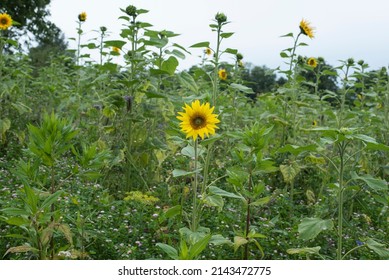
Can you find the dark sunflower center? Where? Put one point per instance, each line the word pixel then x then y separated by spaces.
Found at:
pixel 4 21
pixel 198 122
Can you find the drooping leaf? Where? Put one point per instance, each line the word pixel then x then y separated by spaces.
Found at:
pixel 304 251
pixel 309 228
pixel 374 183
pixel 220 192
pixel 378 248
pixel 200 45
pixel 289 172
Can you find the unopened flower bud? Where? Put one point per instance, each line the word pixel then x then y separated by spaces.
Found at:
pixel 131 11
pixel 220 18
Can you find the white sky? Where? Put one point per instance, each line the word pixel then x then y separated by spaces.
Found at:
pixel 344 28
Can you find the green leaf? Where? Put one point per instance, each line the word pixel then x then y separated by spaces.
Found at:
pixel 188 82
pixel 218 240
pixel 227 35
pixel 365 138
pixel 309 228
pixel 304 251
pixel 17 221
pixel 169 250
pixel 241 88
pixel 173 211
pixel 231 51
pixel 14 211
pixel 180 173
pixel 374 183
pixel 200 45
pixel 296 150
pixel 239 241
pixel 170 65
pixel 196 249
pixel 261 201
pixel 51 199
pixel 214 201
pixel 284 55
pixel 289 172
pixel 114 43
pixel 220 192
pixel 377 248
pixel 287 35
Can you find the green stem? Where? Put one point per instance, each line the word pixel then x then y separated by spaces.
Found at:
pixel 341 147
pixel 79 42
pixel 194 213
pixel 216 72
pixel 352 250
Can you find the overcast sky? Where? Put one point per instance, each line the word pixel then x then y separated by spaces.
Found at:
pixel 344 28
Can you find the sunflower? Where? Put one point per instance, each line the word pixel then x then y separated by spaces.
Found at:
pixel 223 74
pixel 5 21
pixel 82 17
pixel 306 29
pixel 312 62
pixel 198 120
pixel 116 50
pixel 314 123
pixel 208 51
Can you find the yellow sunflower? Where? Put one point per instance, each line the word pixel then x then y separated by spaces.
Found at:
pixel 223 74
pixel 116 50
pixel 198 120
pixel 82 17
pixel 312 62
pixel 314 123
pixel 5 21
pixel 306 28
pixel 208 51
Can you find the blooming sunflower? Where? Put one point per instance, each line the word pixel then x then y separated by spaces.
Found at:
pixel 116 50
pixel 82 17
pixel 306 29
pixel 223 74
pixel 312 62
pixel 314 123
pixel 208 51
pixel 198 120
pixel 5 21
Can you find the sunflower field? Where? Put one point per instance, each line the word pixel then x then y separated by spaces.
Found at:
pixel 137 160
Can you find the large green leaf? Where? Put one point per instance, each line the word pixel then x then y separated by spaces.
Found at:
pixel 309 228
pixel 220 192
pixel 304 251
pixel 289 172
pixel 196 249
pixel 170 65
pixel 378 248
pixel 169 250
pixel 374 183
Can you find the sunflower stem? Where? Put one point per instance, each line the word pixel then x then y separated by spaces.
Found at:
pixel 195 185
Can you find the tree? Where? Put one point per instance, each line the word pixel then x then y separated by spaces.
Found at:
pixel 31 17
pixel 259 78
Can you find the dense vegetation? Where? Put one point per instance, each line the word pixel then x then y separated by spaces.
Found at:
pixel 94 164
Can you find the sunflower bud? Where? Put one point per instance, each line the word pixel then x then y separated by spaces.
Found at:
pixel 239 56
pixel 103 29
pixel 131 11
pixel 82 17
pixel 220 18
pixel 350 62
